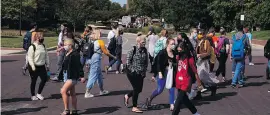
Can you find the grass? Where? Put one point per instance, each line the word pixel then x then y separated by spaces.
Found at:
pixel 17 41
pixel 260 35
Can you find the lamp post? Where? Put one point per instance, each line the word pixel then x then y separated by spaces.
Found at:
pixel 20 17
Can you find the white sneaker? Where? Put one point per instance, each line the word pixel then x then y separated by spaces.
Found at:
pixel 110 69
pixel 251 64
pixel 104 92
pixel 121 67
pixel 88 95
pixel 203 90
pixel 34 98
pixel 196 114
pixel 117 72
pixel 40 97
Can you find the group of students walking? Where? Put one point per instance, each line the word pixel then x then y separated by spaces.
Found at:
pixel 183 63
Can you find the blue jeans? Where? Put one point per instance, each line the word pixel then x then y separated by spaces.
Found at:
pixel 160 87
pixel 238 78
pixel 118 62
pixel 268 64
pixel 95 72
pixel 234 66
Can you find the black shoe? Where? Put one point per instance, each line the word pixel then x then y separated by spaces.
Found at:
pixel 198 96
pixel 233 85
pixel 74 112
pixel 213 90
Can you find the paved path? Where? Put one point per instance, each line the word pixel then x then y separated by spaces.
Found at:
pixel 15 93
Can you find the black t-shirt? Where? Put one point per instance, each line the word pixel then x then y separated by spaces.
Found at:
pixel 66 62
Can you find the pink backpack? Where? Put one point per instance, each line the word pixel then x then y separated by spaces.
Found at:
pixel 220 48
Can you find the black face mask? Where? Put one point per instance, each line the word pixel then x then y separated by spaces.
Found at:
pixel 41 40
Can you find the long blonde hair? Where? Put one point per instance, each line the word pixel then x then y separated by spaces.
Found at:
pixel 96 34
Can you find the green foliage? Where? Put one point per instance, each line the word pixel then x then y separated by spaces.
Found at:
pixel 132 30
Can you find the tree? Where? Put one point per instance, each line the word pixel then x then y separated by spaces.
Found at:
pixel 73 11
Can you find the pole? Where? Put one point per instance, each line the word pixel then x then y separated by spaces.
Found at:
pixel 20 17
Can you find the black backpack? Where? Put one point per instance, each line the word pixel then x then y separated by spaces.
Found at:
pixel 267 49
pixel 27 40
pixel 88 49
pixel 112 44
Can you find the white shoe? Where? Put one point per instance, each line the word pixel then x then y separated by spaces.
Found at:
pixel 110 69
pixel 88 95
pixel 104 92
pixel 203 90
pixel 121 67
pixel 117 72
pixel 251 64
pixel 196 114
pixel 40 97
pixel 34 98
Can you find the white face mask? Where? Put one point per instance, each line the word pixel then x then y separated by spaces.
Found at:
pixel 172 47
pixel 66 48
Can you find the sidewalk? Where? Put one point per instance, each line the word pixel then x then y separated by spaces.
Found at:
pixel 19 51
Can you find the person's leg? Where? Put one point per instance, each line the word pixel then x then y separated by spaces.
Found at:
pixel 189 104
pixel 43 77
pixel 92 76
pixel 223 70
pixel 138 80
pixel 250 56
pixel 236 71
pixel 219 66
pixel 171 95
pixel 66 87
pixel 268 70
pixel 178 102
pixel 212 65
pixel 160 87
pixel 34 77
pixel 241 66
pixel 60 59
pixel 151 62
pixel 130 77
pixel 100 79
pixel 73 98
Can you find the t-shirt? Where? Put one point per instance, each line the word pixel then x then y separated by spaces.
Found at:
pixel 249 35
pixel 111 34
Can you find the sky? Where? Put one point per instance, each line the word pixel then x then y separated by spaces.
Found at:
pixel 122 2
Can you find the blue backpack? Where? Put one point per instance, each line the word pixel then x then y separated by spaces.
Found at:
pixel 238 48
pixel 27 40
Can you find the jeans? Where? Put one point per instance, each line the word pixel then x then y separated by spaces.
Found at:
pixel 118 62
pixel 60 59
pixel 234 66
pixel 182 98
pixel 160 87
pixel 222 65
pixel 95 72
pixel 136 81
pixel 39 72
pixel 238 78
pixel 83 60
pixel 268 70
pixel 250 55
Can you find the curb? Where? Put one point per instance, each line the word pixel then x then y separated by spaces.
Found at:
pixel 22 52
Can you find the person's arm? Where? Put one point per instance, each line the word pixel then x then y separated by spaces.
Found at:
pixel 227 45
pixel 129 56
pixel 30 57
pixel 193 68
pixel 104 49
pixel 159 62
pixel 47 58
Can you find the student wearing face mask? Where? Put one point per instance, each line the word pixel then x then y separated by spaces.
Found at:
pixel 137 62
pixel 186 74
pixel 162 61
pixel 193 37
pixel 38 63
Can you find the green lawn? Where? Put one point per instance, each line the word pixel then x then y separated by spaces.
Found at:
pixel 260 35
pixel 17 41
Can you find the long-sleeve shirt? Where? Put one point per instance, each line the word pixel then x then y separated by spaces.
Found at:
pixel 60 39
pixel 139 62
pixel 38 57
pixel 152 39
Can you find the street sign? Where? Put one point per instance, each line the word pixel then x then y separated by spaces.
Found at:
pixel 242 17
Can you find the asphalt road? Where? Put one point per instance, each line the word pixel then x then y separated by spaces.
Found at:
pixel 15 92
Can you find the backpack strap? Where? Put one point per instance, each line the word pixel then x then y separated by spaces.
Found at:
pixel 34 47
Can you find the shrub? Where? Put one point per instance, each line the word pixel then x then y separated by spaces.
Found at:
pixel 132 30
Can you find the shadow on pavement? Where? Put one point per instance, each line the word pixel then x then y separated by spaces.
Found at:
pixel 4 61
pixel 22 110
pixel 256 84
pixel 104 110
pixel 59 96
pixel 258 76
pixel 218 96
pixel 259 63
pixel 15 100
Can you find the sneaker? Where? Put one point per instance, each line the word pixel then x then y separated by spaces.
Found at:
pixel 106 69
pixel 196 114
pixel 110 69
pixel 223 79
pixel 268 91
pixel 34 98
pixel 88 95
pixel 203 90
pixel 54 78
pixel 251 64
pixel 117 72
pixel 40 97
pixel 233 85
pixel 24 71
pixel 74 112
pixel 241 85
pixel 121 67
pixel 104 92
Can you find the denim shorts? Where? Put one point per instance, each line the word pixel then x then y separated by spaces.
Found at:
pixel 74 81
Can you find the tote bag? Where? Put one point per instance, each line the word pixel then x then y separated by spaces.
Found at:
pixel 169 79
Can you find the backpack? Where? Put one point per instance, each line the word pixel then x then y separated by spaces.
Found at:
pixel 112 44
pixel 221 46
pixel 88 49
pixel 267 49
pixel 191 73
pixel 238 48
pixel 27 40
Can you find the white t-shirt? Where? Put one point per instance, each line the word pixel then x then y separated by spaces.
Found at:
pixel 110 36
pixel 152 39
